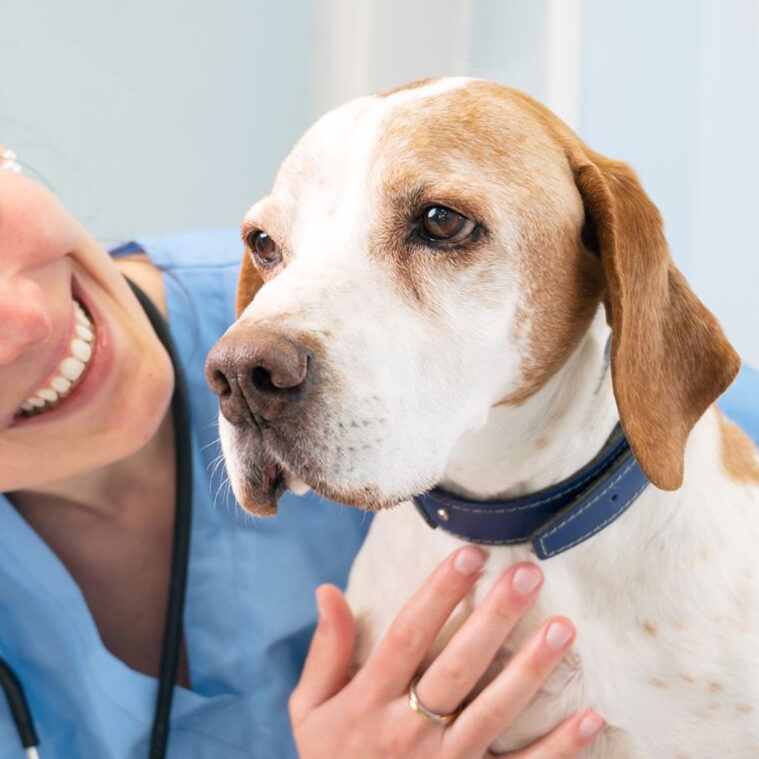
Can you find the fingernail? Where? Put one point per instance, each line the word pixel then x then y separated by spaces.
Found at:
pixel 589 725
pixel 557 635
pixel 468 560
pixel 526 579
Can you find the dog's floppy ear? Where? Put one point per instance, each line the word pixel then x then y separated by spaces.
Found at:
pixel 670 359
pixel 248 284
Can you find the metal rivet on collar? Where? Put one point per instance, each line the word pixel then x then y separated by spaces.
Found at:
pixel 443 514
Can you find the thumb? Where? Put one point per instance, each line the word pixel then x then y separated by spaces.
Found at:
pixel 325 671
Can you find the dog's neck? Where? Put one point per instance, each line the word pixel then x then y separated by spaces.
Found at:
pixel 523 448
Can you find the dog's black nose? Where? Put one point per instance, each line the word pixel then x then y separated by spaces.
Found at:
pixel 256 372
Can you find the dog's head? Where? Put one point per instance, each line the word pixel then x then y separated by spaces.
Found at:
pixel 425 254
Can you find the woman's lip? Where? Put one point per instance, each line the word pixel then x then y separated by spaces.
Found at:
pixel 96 370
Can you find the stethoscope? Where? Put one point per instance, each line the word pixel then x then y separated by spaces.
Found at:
pixel 172 633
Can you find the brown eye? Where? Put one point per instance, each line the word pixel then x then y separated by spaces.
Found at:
pixel 439 223
pixel 264 248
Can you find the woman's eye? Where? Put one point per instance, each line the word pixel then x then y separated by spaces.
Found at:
pixel 264 248
pixel 439 223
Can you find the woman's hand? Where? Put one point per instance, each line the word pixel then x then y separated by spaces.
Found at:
pixel 369 717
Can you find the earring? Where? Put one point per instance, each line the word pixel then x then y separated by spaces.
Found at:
pixel 9 161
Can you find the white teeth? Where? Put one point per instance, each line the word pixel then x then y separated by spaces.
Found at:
pixel 48 395
pixel 70 369
pixel 81 350
pixel 85 333
pixel 81 316
pixel 61 385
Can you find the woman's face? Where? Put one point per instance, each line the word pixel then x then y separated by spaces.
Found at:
pixel 84 381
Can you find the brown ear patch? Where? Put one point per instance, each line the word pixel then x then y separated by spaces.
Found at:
pixel 740 457
pixel 248 284
pixel 670 359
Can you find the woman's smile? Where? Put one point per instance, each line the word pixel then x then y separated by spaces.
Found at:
pixel 79 362
pixel 69 371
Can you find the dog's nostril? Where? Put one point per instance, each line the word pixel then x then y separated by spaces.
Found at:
pixel 261 380
pixel 220 384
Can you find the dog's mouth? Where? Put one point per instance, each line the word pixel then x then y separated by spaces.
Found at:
pixel 264 483
pixel 268 475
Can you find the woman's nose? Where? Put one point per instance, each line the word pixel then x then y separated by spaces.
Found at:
pixel 24 318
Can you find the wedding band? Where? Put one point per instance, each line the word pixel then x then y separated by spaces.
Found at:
pixel 9 161
pixel 417 706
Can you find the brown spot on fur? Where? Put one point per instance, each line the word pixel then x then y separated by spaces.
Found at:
pixel 740 457
pixel 248 284
pixel 650 629
pixel 716 687
pixel 657 683
pixel 541 443
pixel 744 708
pixel 687 679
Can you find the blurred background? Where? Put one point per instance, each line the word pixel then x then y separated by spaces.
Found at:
pixel 156 116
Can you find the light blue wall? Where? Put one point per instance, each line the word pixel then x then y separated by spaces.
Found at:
pixel 150 116
pixel 508 43
pixel 673 89
pixel 639 100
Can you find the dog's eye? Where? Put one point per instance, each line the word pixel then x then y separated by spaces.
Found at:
pixel 264 248
pixel 439 223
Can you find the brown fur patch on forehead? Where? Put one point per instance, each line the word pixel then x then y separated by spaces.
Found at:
pixel 488 152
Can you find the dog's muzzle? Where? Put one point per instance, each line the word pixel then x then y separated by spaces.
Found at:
pixel 256 373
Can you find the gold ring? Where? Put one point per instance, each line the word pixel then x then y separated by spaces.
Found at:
pixel 417 706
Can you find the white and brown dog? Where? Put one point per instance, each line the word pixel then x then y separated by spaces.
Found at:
pixel 437 271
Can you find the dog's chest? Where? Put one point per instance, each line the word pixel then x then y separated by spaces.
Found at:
pixel 671 682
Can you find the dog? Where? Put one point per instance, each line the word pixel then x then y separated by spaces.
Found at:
pixel 452 290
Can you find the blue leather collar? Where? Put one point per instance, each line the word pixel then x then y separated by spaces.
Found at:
pixel 554 519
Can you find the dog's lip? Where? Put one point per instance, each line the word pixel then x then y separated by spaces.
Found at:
pixel 304 472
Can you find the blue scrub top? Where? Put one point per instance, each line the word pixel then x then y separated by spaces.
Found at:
pixel 250 610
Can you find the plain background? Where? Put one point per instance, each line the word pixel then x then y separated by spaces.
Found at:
pixel 156 116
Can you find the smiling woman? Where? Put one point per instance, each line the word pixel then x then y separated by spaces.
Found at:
pixel 78 354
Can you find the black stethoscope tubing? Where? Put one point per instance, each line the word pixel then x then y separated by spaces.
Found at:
pixel 180 552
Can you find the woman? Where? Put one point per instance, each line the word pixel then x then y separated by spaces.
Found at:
pixel 90 473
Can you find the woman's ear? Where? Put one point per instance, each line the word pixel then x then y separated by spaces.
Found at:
pixel 670 359
pixel 248 283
